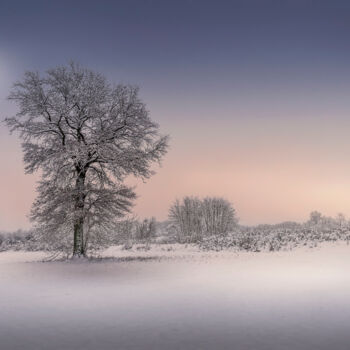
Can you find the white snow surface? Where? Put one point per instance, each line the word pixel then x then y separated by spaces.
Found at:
pixel 176 297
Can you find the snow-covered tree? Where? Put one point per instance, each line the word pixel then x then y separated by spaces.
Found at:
pixel 187 216
pixel 86 136
pixel 146 229
pixel 315 217
pixel 341 220
pixel 194 217
pixel 218 215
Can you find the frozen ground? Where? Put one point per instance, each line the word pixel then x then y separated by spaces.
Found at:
pixel 177 299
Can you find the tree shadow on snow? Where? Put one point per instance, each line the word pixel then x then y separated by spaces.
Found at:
pixel 100 259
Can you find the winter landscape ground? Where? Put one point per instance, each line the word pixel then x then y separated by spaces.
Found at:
pixel 177 297
pixel 174 150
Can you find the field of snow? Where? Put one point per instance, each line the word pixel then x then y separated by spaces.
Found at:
pixel 171 297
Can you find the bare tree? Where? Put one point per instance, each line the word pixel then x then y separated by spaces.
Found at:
pixel 315 218
pixel 341 220
pixel 146 229
pixel 218 215
pixel 85 136
pixel 125 231
pixel 187 216
pixel 194 217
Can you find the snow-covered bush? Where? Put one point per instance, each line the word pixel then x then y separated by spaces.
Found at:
pixel 274 238
pixel 283 236
pixel 19 240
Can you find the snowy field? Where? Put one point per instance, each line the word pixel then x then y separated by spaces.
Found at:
pixel 172 297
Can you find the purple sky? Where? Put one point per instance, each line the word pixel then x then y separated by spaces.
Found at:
pixel 255 96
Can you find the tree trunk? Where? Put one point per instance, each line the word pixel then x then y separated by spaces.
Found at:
pixel 79 248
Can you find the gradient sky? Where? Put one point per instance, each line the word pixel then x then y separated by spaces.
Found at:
pixel 255 96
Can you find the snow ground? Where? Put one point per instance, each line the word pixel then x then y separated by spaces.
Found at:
pixel 172 297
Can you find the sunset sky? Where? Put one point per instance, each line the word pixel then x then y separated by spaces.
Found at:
pixel 254 94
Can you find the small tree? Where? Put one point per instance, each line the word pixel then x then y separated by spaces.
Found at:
pixel 86 136
pixel 146 229
pixel 218 215
pixel 341 220
pixel 187 216
pixel 125 230
pixel 315 218
pixel 194 217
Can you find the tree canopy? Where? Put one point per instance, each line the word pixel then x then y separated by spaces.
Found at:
pixel 85 135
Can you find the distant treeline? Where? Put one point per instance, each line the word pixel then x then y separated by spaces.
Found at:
pixel 211 223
